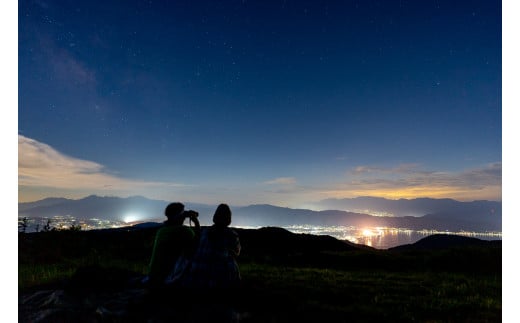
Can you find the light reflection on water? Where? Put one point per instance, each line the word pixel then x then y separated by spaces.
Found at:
pixel 383 237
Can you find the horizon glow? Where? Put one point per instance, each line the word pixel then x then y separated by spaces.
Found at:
pixel 132 217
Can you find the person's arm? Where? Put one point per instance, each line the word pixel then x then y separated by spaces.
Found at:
pixel 196 229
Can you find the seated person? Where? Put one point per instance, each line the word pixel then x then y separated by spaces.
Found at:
pixel 172 241
pixel 213 265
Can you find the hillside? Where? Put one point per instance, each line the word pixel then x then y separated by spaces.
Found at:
pixel 87 277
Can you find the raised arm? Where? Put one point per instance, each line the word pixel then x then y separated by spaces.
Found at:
pixel 196 228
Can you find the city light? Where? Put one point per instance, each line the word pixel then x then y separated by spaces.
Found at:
pixel 131 217
pixel 367 233
pixel 377 237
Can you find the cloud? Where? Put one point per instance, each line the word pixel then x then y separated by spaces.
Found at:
pixel 400 169
pixel 402 181
pixel 281 181
pixel 490 175
pixel 40 165
pixel 408 181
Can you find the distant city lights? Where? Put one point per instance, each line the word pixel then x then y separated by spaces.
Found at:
pixel 383 237
pixel 377 237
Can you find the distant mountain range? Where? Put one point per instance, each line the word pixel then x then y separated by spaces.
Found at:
pixel 423 213
pixel 130 209
pixel 448 208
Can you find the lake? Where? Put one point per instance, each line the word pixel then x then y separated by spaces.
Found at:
pixel 382 237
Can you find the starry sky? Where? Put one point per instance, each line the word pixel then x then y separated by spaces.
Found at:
pixel 279 102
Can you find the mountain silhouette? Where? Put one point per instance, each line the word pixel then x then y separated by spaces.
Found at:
pixel 443 241
pixel 443 214
pixel 480 213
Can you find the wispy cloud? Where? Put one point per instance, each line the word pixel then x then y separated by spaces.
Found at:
pixel 409 181
pixel 40 165
pixel 400 181
pixel 490 174
pixel 281 181
pixel 400 169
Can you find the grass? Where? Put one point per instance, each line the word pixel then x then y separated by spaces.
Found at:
pixel 322 285
pixel 373 295
pixel 34 276
pixel 31 276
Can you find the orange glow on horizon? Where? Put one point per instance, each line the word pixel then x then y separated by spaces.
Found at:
pixel 493 193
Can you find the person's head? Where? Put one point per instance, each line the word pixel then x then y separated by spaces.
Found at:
pixel 174 213
pixel 222 216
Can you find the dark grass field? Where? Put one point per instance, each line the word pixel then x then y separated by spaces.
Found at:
pixel 286 277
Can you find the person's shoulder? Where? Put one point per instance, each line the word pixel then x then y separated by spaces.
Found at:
pixel 168 229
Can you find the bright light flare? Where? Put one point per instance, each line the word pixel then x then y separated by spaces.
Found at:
pixel 367 233
pixel 131 217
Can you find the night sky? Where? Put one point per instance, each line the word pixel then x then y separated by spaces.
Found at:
pixel 280 102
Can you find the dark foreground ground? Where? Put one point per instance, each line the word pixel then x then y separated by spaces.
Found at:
pixel 90 276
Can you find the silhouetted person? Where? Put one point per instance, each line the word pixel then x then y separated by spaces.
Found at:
pixel 213 276
pixel 172 241
pixel 214 264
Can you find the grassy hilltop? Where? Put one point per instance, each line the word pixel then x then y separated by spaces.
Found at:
pixel 290 277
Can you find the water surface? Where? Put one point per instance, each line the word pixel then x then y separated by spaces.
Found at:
pixel 383 237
